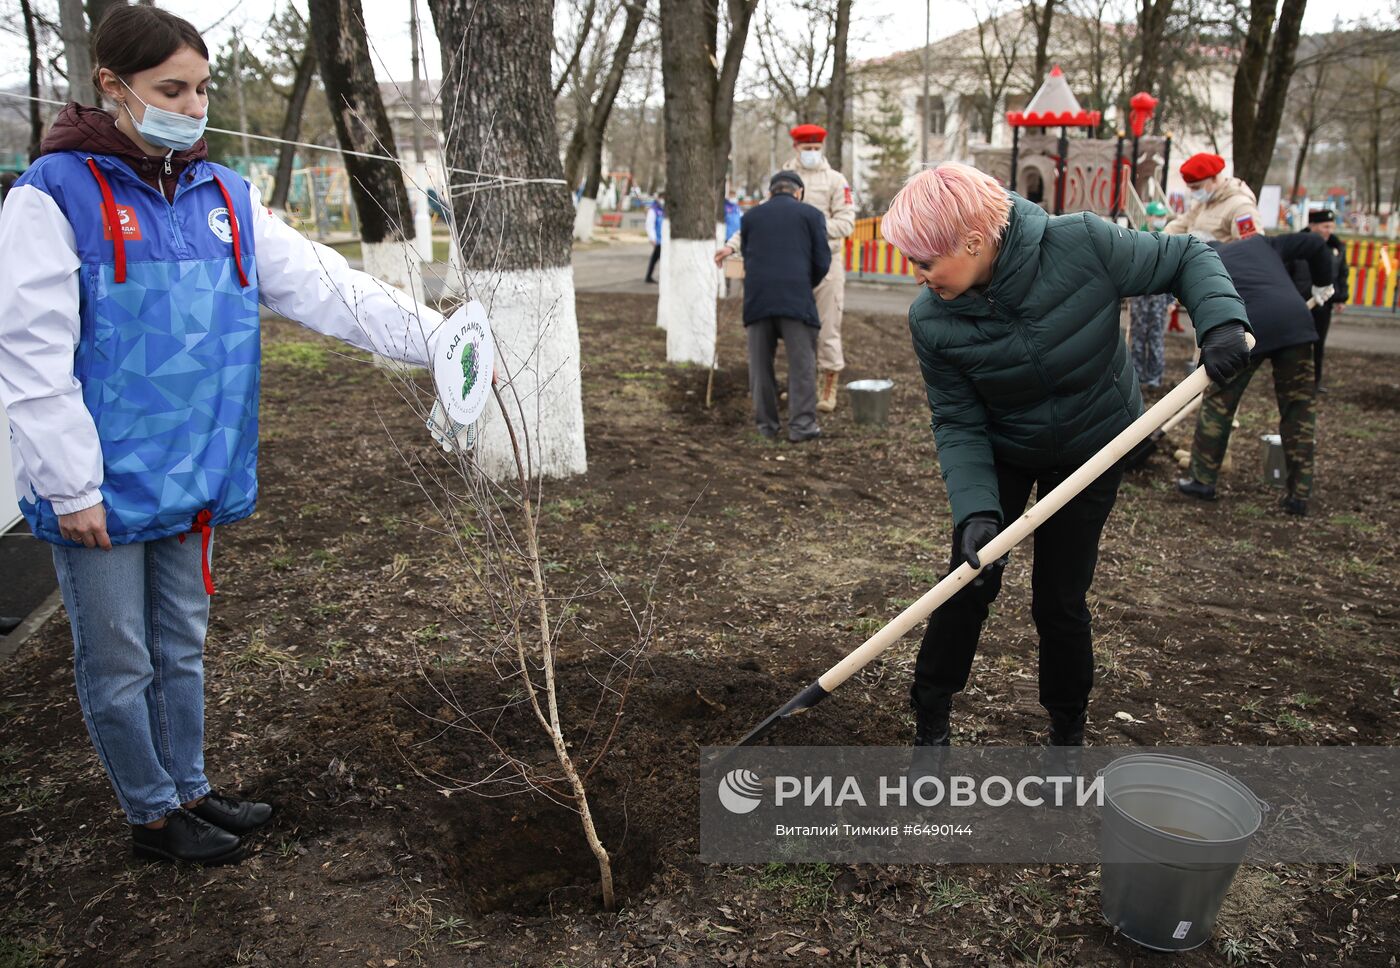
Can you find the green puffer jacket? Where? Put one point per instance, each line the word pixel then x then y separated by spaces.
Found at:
pixel 1032 371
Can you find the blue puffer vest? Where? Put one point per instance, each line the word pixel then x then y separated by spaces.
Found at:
pixel 168 353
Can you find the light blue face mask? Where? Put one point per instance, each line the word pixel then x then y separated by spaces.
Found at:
pixel 167 129
pixel 1200 194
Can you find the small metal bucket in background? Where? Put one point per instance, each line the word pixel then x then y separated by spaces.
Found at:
pixel 1275 464
pixel 870 401
pixel 1174 833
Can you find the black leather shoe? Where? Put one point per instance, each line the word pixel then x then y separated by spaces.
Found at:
pixel 814 434
pixel 236 816
pixel 186 837
pixel 1295 505
pixel 1194 488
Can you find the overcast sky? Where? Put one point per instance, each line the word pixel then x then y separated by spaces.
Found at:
pixel 879 27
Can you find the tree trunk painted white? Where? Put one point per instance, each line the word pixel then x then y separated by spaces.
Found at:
pixel 664 288
pixel 536 329
pixel 396 263
pixel 689 273
pixel 583 218
pixel 422 213
pixel 721 283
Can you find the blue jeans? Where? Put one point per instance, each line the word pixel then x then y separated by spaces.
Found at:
pixel 139 614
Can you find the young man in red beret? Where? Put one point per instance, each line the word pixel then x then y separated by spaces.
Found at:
pixel 829 192
pixel 1221 208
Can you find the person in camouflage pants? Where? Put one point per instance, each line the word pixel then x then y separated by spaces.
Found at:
pixel 1149 327
pixel 1285 334
pixel 1294 389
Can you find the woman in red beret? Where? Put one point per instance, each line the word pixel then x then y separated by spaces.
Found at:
pixel 1221 208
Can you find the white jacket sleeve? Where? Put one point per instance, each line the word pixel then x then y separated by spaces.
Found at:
pixel 55 439
pixel 314 285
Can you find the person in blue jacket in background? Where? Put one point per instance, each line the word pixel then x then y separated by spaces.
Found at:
pixel 656 214
pixel 732 216
pixel 131 271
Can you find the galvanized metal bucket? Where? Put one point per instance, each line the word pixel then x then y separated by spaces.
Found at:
pixel 1174 832
pixel 1275 464
pixel 870 401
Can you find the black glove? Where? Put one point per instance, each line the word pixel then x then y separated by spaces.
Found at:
pixel 1224 353
pixel 977 530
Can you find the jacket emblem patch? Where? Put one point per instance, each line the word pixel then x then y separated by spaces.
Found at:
pixel 219 225
pixel 131 226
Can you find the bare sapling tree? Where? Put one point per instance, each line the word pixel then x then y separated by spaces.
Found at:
pixel 569 47
pixel 510 221
pixel 1042 16
pixel 1001 41
pixel 592 127
pixel 838 90
pixel 77 52
pixel 302 82
pixel 512 612
pixel 1153 16
pixel 1261 84
pixel 362 128
pixel 699 83
pixel 581 84
pixel 1096 31
pixel 31 36
pixel 796 49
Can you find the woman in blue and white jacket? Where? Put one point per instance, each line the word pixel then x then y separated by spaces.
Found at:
pixel 131 269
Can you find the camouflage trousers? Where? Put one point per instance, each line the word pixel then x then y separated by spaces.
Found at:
pixel 1297 425
pixel 1149 327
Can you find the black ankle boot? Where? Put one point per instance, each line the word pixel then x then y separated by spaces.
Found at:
pixel 931 723
pixel 188 838
pixel 1067 730
pixel 1194 488
pixel 932 739
pixel 1063 756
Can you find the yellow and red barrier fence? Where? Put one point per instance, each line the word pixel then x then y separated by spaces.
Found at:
pixel 1373 267
pixel 876 261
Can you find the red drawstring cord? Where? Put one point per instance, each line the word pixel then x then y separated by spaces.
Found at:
pixel 109 210
pixel 233 226
pixel 202 528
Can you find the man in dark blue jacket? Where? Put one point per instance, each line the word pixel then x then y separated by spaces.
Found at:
pixel 785 256
pixel 1285 333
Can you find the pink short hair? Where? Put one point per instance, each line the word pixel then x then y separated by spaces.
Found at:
pixel 940 207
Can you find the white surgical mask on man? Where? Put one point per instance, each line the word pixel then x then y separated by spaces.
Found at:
pixel 1199 195
pixel 810 157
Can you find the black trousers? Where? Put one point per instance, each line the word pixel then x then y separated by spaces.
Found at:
pixel 1066 551
pixel 655 258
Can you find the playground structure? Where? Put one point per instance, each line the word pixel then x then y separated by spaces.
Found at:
pixel 1063 175
pixel 319 202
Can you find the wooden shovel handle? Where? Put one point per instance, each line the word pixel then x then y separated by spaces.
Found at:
pixel 1021 528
